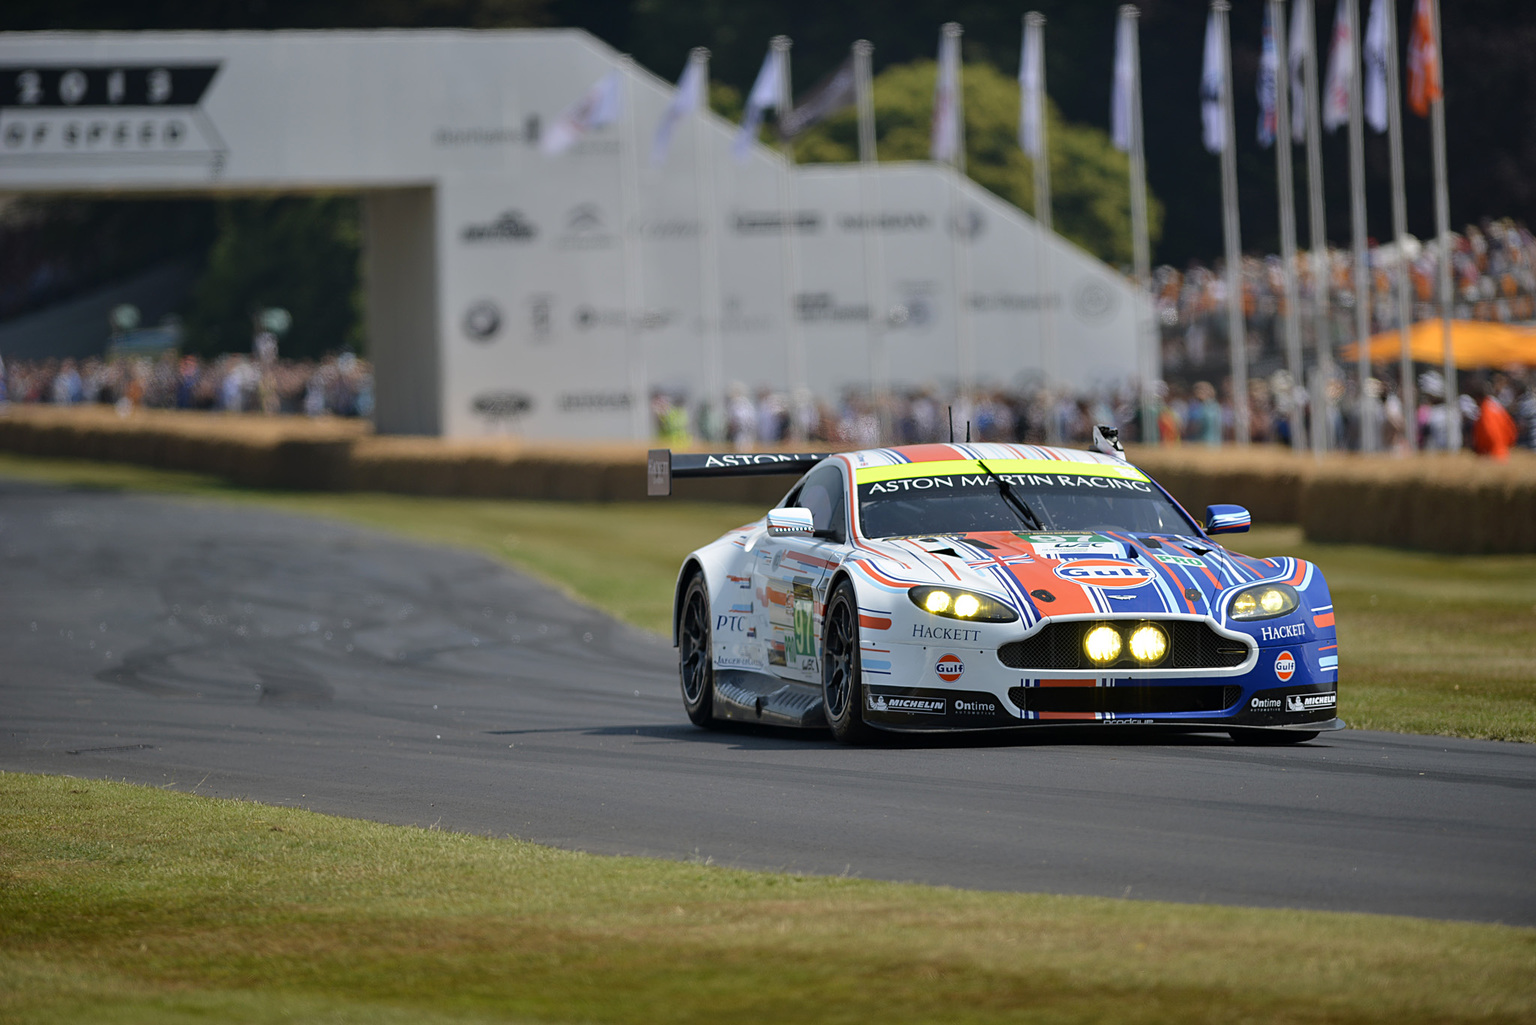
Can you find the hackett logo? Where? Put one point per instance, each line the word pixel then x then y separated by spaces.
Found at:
pixel 944 633
pixel 1282 633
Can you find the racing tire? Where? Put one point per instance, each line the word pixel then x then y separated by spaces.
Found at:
pixel 842 679
pixel 695 654
pixel 1271 738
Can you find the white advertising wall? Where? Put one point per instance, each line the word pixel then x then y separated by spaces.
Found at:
pixel 500 277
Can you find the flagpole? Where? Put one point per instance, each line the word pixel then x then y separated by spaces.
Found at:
pixel 787 230
pixel 1287 194
pixel 709 245
pixel 1041 164
pixel 1400 230
pixel 1443 231
pixel 1322 403
pixel 1141 249
pixel 965 360
pixel 1237 343
pixel 874 261
pixel 1358 235
pixel 634 281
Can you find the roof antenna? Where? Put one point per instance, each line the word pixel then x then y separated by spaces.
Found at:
pixel 951 425
pixel 967 432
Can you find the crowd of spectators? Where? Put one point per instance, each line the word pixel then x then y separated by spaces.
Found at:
pixel 1493 271
pixel 1199 413
pixel 339 385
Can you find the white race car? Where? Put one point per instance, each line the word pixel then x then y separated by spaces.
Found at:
pixel 989 586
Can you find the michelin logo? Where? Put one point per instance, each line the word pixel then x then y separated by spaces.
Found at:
pixel 1282 633
pixel 1311 702
pixel 921 706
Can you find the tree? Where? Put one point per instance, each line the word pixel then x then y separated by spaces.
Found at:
pixel 298 253
pixel 1090 179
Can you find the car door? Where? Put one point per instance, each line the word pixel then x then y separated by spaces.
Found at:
pixel 791 574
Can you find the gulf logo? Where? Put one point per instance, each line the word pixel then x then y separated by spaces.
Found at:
pixel 1285 666
pixel 1104 573
pixel 949 668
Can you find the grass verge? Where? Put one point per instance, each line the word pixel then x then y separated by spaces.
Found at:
pixel 1435 644
pixel 130 904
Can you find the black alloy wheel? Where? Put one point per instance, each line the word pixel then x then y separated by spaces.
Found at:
pixel 842 687
pixel 695 655
pixel 1271 738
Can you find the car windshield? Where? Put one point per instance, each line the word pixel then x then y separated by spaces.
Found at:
pixel 963 503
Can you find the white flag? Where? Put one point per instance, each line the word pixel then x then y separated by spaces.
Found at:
pixel 1376 66
pixel 1341 71
pixel 1212 78
pixel 1125 84
pixel 1032 89
pixel 1269 74
pixel 944 143
pixel 764 94
pixel 688 98
pixel 597 107
pixel 1300 52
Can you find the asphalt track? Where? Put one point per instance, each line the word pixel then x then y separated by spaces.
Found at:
pixel 241 653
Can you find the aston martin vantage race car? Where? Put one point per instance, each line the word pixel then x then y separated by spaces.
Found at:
pixel 987 586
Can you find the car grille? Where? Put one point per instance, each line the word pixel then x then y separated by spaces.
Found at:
pixel 1125 700
pixel 1191 645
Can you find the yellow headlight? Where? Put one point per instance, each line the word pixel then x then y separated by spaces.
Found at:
pixel 1102 644
pixel 1149 644
pixel 966 605
pixel 1245 605
pixel 1271 601
pixel 936 602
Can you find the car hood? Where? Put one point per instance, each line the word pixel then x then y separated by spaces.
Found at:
pixel 1107 572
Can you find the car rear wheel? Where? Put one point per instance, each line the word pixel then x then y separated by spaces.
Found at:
pixel 842 686
pixel 1271 738
pixel 695 657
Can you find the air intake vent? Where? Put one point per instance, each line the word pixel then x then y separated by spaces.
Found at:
pixel 1192 645
pixel 1126 700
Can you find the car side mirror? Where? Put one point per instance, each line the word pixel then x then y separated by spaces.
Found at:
pixel 1227 519
pixel 787 522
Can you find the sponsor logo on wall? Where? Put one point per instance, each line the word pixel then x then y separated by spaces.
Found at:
pixel 498 135
pixel 497 406
pixel 584 229
pixel 772 222
pixel 509 226
pixel 663 229
pixel 540 307
pixel 141 114
pixel 482 320
pixel 968 223
pixel 1092 300
pixel 914 220
pixel 1012 302
pixel 823 307
pixel 593 402
pixel 589 318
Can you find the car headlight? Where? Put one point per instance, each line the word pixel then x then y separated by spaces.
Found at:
pixel 954 603
pixel 1102 644
pixel 1265 601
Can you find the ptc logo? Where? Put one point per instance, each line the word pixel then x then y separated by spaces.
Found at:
pixel 949 668
pixel 1285 666
pixel 1104 573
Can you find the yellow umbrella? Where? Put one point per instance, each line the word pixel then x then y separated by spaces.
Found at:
pixel 1476 343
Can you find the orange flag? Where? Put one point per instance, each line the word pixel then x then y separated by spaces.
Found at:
pixel 1423 61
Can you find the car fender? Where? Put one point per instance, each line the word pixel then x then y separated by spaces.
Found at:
pixel 724 562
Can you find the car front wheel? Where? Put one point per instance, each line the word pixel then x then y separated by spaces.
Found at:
pixel 695 657
pixel 842 686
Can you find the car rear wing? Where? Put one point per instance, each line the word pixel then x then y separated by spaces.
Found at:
pixel 662 464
